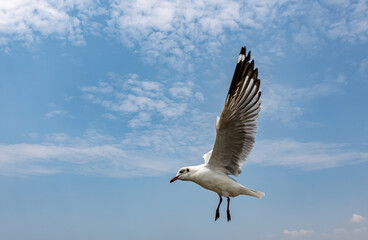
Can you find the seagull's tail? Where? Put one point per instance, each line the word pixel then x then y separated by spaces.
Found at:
pixel 250 192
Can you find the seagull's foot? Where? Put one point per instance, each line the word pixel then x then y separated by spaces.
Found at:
pixel 217 214
pixel 228 216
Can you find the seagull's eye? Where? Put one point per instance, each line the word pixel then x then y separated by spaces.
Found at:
pixel 181 171
pixel 187 169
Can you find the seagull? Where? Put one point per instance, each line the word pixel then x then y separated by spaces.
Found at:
pixel 235 136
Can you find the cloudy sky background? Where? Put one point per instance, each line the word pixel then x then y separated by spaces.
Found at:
pixel 102 101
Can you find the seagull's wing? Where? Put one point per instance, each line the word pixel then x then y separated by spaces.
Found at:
pixel 237 125
pixel 207 156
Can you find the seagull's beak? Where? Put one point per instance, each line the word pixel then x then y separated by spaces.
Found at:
pixel 174 179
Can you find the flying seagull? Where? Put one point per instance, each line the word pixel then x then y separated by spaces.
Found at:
pixel 235 137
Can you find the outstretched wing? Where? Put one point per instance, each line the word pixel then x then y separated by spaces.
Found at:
pixel 237 125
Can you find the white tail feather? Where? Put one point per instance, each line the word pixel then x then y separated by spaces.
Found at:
pixel 253 193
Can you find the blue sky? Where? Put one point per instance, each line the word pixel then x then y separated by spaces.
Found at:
pixel 102 101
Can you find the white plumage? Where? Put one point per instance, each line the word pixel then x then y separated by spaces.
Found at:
pixel 235 137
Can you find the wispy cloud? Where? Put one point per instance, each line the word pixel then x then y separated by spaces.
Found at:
pixel 307 38
pixel 173 32
pixel 167 144
pixel 357 218
pixel 151 152
pixel 67 97
pixel 363 67
pixel 181 90
pixel 361 230
pixel 285 103
pixel 159 150
pixel 351 23
pixel 102 87
pixel 58 113
pixel 56 137
pixel 340 233
pixel 109 116
pixel 305 155
pixel 340 230
pixel 141 98
pixel 142 119
pixel 28 21
pixel 92 153
pixel 15 158
pixel 298 233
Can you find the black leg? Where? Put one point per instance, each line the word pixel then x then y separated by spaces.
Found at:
pixel 218 209
pixel 228 211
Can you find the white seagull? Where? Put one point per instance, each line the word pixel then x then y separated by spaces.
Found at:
pixel 235 137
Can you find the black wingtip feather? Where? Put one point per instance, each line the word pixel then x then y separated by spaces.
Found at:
pixel 247 59
pixel 250 69
pixel 243 69
pixel 255 73
pixel 243 50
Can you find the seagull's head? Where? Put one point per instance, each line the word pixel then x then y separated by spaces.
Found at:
pixel 183 174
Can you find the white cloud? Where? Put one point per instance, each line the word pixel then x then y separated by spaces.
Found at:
pixel 173 32
pixel 156 150
pixel 199 96
pixel 159 149
pixel 357 218
pixel 67 97
pixel 56 137
pixel 351 24
pixel 340 230
pixel 58 113
pixel 109 116
pixel 16 157
pixel 341 233
pixel 142 119
pixel 285 103
pixel 341 79
pixel 102 87
pixel 27 21
pixel 363 65
pixel 180 92
pixel 304 155
pixel 161 23
pixel 140 98
pixel 307 38
pixel 280 102
pixel 360 230
pixel 349 232
pixel 298 233
pixel 92 153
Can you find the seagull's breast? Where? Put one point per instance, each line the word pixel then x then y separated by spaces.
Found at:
pixel 217 182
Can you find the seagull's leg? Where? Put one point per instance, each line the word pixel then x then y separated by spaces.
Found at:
pixel 228 211
pixel 218 209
